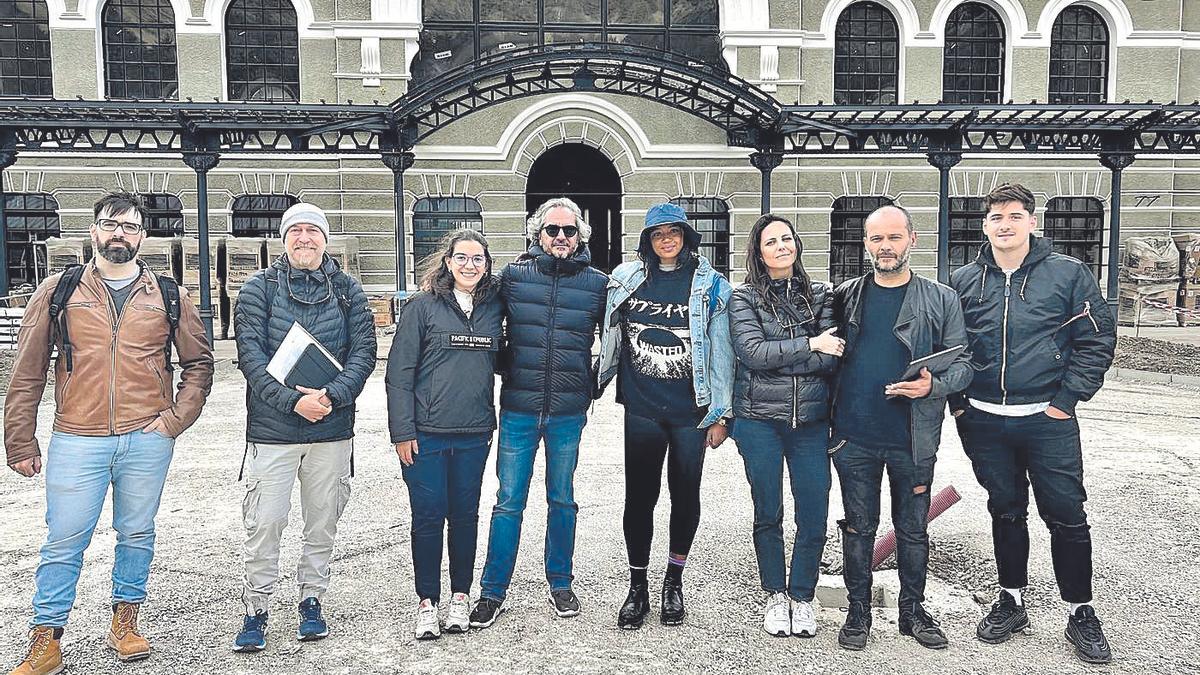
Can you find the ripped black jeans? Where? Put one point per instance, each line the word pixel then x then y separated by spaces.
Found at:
pixel 860 473
pixel 1008 455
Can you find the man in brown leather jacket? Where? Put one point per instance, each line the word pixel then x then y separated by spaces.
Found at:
pixel 115 422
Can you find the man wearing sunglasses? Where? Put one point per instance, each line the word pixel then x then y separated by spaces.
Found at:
pixel 554 302
pixel 304 431
pixel 115 423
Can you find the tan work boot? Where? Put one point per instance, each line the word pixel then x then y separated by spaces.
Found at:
pixel 124 637
pixel 45 657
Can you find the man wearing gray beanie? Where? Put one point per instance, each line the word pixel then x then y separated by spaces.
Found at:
pixel 305 430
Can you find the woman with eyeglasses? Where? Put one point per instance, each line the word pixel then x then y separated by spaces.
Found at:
pixel 783 335
pixel 441 417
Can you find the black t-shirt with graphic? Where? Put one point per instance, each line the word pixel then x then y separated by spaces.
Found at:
pixel 655 376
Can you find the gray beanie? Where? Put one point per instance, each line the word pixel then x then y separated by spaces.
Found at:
pixel 304 213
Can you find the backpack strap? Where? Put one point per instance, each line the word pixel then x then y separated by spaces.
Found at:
pixel 170 295
pixel 67 284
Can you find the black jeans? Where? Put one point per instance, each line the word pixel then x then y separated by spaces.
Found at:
pixel 1008 455
pixel 648 442
pixel 860 472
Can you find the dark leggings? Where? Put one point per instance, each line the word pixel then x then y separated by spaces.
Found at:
pixel 647 443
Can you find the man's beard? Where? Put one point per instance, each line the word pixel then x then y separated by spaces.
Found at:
pixel 116 251
pixel 901 264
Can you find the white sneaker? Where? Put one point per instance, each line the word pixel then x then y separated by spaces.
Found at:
pixel 804 619
pixel 777 618
pixel 458 620
pixel 427 627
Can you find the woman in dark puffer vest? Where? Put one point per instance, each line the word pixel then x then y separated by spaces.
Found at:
pixel 441 415
pixel 783 336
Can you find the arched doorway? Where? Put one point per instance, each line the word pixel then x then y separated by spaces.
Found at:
pixel 585 175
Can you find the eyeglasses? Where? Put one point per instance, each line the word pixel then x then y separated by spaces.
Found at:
pixel 461 259
pixel 109 225
pixel 567 230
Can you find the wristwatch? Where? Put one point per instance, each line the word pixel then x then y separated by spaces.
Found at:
pixel 723 422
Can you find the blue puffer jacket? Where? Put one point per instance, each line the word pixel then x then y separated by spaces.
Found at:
pixel 552 306
pixel 315 299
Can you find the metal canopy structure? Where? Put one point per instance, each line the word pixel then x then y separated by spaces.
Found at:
pixel 200 133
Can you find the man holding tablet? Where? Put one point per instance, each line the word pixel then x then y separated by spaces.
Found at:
pixel 890 318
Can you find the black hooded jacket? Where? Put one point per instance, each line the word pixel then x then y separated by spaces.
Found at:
pixel 441 368
pixel 1046 334
pixel 552 307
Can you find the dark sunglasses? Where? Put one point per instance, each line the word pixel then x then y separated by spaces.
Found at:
pixel 567 230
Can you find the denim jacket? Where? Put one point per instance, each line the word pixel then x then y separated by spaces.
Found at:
pixel 708 312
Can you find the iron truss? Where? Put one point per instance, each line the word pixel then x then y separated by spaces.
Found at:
pixel 1124 128
pixel 169 126
pixel 746 113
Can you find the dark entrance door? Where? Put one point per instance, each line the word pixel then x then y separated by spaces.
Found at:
pixel 588 178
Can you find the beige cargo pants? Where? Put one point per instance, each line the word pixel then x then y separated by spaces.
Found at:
pixel 271 471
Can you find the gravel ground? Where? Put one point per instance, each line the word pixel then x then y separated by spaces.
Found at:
pixel 1142 470
pixel 1159 356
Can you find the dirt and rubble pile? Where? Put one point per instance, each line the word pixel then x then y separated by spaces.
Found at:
pixel 1159 356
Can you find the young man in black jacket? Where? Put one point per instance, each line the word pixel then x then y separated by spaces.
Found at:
pixel 554 301
pixel 1042 338
pixel 889 318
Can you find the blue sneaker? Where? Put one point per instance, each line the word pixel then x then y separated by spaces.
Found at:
pixel 312 626
pixel 253 637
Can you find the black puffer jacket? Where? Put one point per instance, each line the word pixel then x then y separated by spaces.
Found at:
pixel 552 306
pixel 778 377
pixel 441 368
pixel 1045 335
pixel 349 335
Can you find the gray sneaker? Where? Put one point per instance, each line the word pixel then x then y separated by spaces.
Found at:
pixel 565 603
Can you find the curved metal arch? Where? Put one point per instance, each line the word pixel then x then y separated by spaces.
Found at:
pixel 747 114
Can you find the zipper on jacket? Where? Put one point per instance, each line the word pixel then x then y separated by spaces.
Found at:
pixel 550 348
pixel 1004 339
pixel 795 386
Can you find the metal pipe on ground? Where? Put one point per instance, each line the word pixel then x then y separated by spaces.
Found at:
pixel 885 546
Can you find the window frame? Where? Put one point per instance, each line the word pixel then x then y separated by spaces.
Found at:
pixel 166 85
pixel 966 230
pixel 425 239
pixel 1058 43
pixel 22 240
pixel 41 62
pixel 971 94
pixel 271 214
pixel 1093 223
pixel 288 32
pixel 715 211
pixel 171 214
pixel 851 221
pixel 847 65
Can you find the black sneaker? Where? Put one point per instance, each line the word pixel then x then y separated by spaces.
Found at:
pixel 1005 618
pixel 565 603
pixel 1084 632
pixel 922 627
pixel 486 612
pixel 637 606
pixel 673 611
pixel 857 629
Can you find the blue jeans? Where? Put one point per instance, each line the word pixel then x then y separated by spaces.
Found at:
pixel 443 489
pixel 79 470
pixel 764 447
pixel 520 434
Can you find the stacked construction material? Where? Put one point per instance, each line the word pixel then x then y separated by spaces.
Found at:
pixel 1189 284
pixel 190 272
pixel 241 258
pixel 159 254
pixel 63 252
pixel 1149 282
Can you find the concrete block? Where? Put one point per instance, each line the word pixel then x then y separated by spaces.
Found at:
pixel 1186 380
pixel 885 590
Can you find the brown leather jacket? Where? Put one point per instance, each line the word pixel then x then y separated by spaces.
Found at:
pixel 119 380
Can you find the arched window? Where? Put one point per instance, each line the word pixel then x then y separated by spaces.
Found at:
pixel 847 256
pixel 973 58
pixel 166 215
pixel 1075 225
pixel 25 48
pixel 139 50
pixel 260 215
pixel 457 32
pixel 262 51
pixel 710 217
pixel 29 217
pixel 1079 57
pixel 966 229
pixel 433 217
pixel 866 59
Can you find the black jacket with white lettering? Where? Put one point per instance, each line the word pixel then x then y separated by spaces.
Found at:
pixel 441 367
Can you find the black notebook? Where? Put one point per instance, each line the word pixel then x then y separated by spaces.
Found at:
pixel 302 360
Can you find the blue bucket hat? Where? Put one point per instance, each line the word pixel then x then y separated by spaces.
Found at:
pixel 669 214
